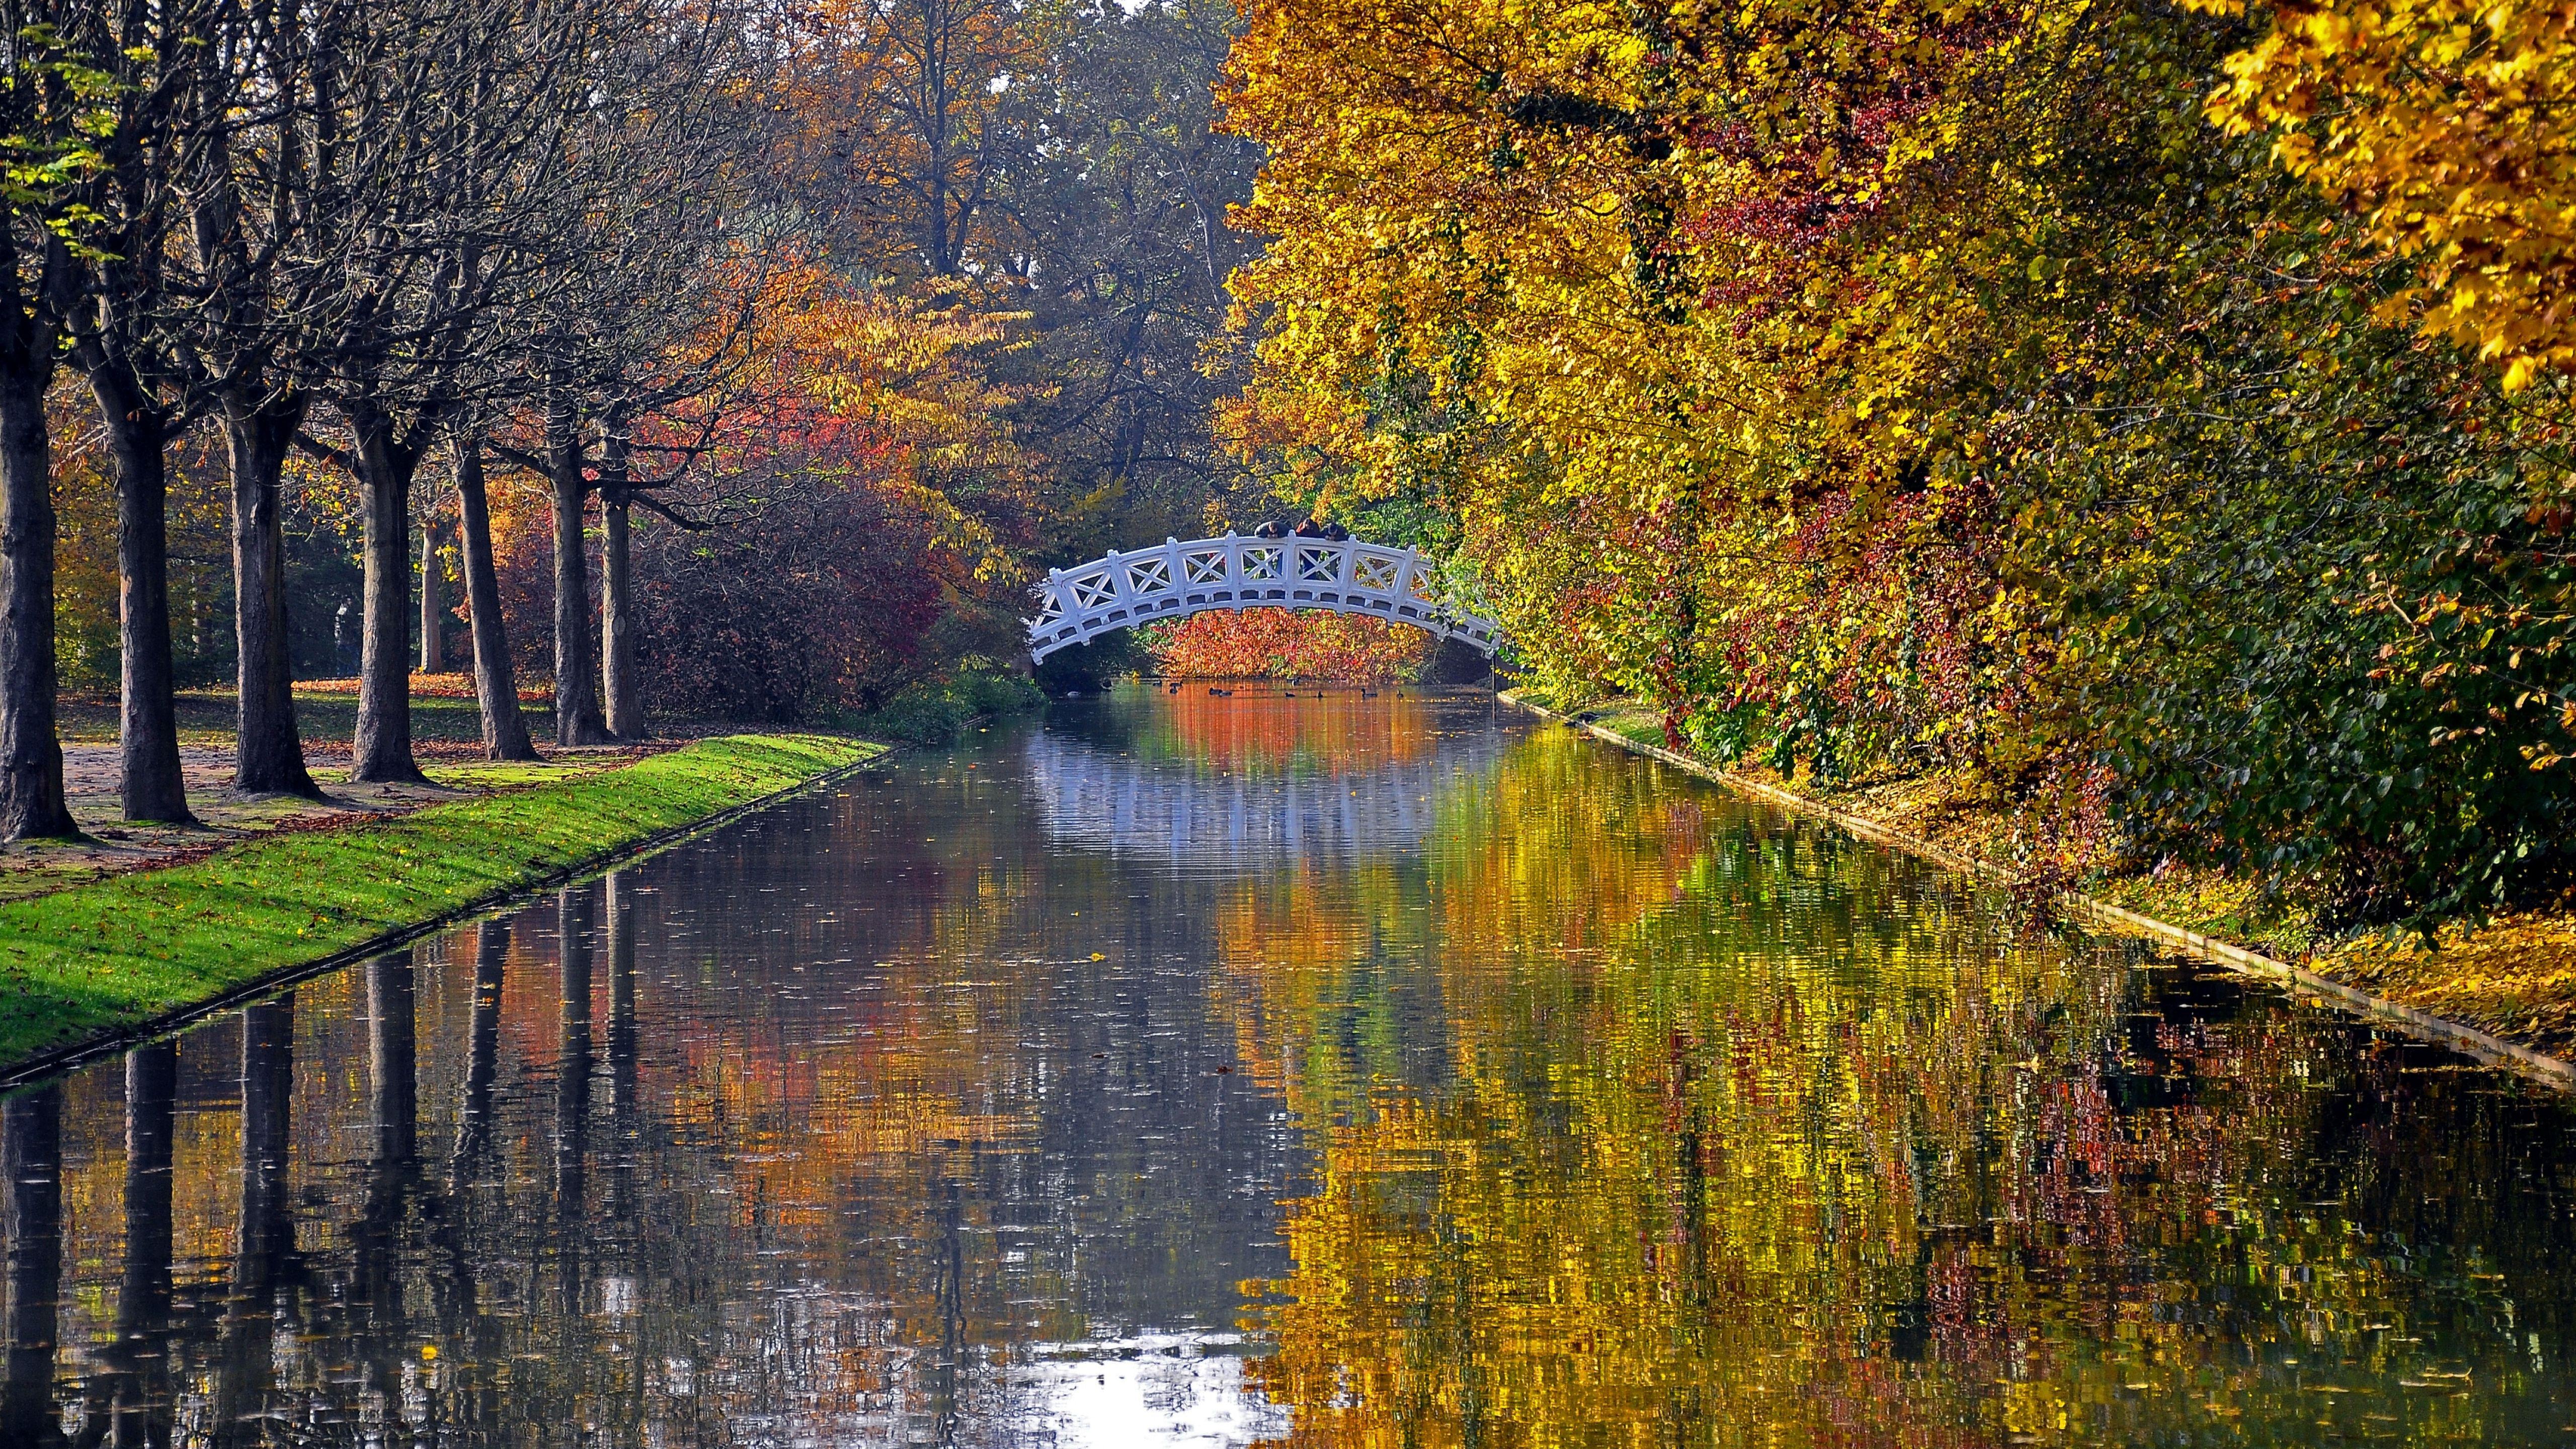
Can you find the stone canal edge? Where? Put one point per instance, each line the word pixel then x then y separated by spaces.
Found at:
pixel 2467 1040
pixel 55 1061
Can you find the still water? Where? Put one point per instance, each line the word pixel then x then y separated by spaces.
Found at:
pixel 1189 1070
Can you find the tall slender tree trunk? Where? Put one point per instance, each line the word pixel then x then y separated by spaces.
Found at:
pixel 617 619
pixel 31 751
pixel 147 717
pixel 577 717
pixel 268 753
pixel 496 685
pixel 381 753
pixel 433 603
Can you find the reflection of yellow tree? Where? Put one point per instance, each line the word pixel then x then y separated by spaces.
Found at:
pixel 1304 957
pixel 1637 1117
pixel 912 1086
pixel 1746 1136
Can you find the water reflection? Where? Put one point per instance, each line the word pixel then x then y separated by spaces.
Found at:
pixel 1227 783
pixel 133 1388
pixel 31 1157
pixel 1580 1104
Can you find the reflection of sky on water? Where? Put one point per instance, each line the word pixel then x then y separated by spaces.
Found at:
pixel 1181 1390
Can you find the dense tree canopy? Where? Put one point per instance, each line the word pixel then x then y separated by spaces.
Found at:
pixel 2151 416
pixel 1908 386
pixel 746 356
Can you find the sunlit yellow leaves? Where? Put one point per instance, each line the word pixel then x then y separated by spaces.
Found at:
pixel 2446 124
pixel 1814 374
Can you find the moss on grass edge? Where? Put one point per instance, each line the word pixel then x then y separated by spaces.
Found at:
pixel 83 963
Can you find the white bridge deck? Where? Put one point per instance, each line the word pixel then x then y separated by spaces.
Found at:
pixel 1233 572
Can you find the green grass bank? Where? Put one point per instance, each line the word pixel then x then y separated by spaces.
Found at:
pixel 80 963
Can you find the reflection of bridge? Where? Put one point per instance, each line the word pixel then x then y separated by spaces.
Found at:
pixel 1343 575
pixel 1100 801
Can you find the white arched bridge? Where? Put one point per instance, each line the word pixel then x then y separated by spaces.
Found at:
pixel 1233 572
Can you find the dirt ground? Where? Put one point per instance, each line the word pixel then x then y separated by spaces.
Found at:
pixel 447 742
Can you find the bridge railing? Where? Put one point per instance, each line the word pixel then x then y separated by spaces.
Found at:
pixel 1346 576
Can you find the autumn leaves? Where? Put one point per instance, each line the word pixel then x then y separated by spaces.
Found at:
pixel 1941 388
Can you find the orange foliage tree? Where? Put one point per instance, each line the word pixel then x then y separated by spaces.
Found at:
pixel 1287 644
pixel 867 496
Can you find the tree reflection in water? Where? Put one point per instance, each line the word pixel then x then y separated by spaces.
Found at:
pixel 1570 1103
pixel 31 1214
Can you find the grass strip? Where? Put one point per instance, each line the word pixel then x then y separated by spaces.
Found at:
pixel 94 959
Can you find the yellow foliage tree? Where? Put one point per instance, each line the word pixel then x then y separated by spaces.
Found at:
pixel 1932 388
pixel 2450 126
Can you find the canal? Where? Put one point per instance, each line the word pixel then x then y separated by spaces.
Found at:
pixel 1200 1070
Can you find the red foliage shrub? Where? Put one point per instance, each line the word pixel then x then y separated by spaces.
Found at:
pixel 824 599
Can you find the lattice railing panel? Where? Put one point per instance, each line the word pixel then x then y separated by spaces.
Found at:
pixel 1149 576
pixel 1179 579
pixel 1092 590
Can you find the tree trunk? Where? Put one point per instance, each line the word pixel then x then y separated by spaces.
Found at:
pixel 496 685
pixel 381 753
pixel 147 719
pixel 577 716
pixel 433 604
pixel 31 752
pixel 617 618
pixel 268 754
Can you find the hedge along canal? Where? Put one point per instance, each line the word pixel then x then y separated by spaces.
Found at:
pixel 87 966
pixel 2458 1036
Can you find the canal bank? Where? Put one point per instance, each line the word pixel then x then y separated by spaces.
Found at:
pixel 85 967
pixel 2468 1036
